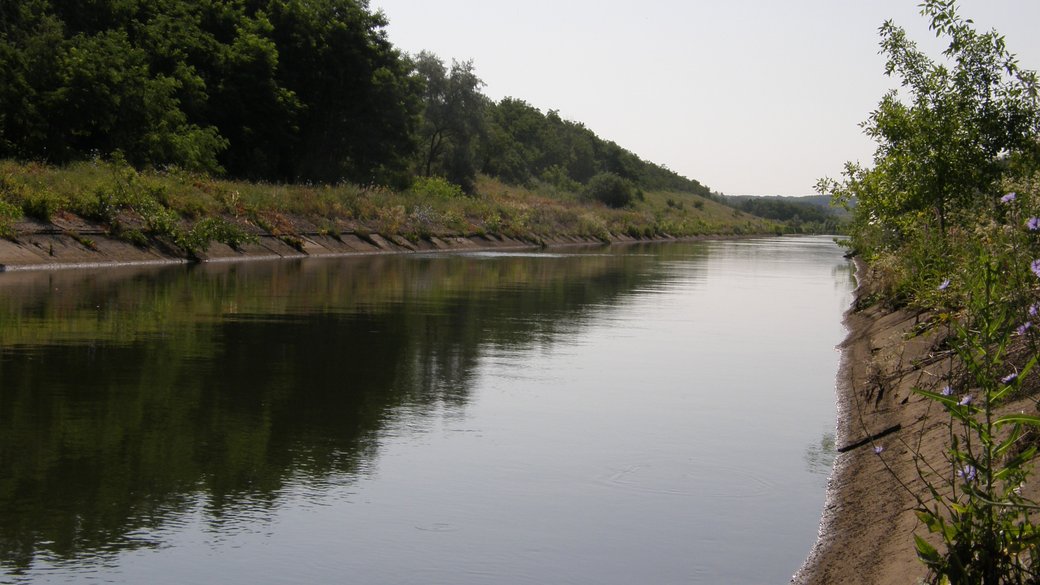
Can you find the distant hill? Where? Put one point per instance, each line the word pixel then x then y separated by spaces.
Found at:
pixel 808 207
pixel 811 214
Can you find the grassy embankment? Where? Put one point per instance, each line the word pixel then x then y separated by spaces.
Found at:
pixel 186 212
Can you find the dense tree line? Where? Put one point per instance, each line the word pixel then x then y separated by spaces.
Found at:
pixel 273 89
pixel 800 214
pixel 282 90
pixel 784 209
pixel 522 145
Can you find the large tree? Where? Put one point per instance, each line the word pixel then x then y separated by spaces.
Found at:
pixel 948 145
pixel 453 119
pixel 360 97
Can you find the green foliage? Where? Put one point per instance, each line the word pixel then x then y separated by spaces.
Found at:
pixel 8 215
pixel 783 209
pixel 799 216
pixel 40 207
pixel 987 527
pixel 288 91
pixel 438 187
pixel 213 229
pixel 521 145
pixel 174 207
pixel 610 189
pixel 948 149
pixel 942 232
pixel 453 116
pixel 275 89
pixel 360 101
pixel 594 227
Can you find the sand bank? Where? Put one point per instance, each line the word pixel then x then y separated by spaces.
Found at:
pixel 868 523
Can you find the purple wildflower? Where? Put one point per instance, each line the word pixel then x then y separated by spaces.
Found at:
pixel 967 473
pixel 1008 198
pixel 878 449
pixel 1033 224
pixel 1023 328
pixel 1009 378
pixel 1035 267
pixel 944 284
pixel 968 398
pixel 946 391
pixel 1033 310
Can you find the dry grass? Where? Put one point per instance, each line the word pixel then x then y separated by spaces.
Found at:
pixel 104 191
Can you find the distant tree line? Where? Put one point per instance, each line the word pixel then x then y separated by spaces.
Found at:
pixel 277 90
pixel 801 214
pixel 779 208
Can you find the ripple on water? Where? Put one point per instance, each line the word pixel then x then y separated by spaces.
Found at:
pixel 692 478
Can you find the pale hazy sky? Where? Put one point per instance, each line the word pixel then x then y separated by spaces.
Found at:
pixel 746 96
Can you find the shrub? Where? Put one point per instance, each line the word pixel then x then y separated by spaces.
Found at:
pixel 593 226
pixel 438 187
pixel 610 189
pixel 8 214
pixel 41 206
pixel 215 229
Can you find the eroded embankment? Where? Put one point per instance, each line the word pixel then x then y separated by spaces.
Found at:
pixel 884 430
pixel 867 524
pixel 72 243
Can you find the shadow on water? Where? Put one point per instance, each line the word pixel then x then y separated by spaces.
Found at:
pixel 129 397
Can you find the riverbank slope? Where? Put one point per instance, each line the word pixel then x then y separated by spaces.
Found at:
pixel 867 524
pixel 99 213
pixel 884 430
pixel 71 242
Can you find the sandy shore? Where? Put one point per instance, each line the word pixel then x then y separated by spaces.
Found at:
pixel 868 523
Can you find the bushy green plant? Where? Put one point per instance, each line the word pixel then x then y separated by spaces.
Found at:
pixel 976 508
pixel 133 236
pixel 948 147
pixel 493 222
pixel 8 215
pixel 437 187
pixel 41 206
pixel 595 227
pixel 215 229
pixel 610 189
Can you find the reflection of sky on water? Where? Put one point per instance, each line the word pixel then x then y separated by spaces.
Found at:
pixel 428 419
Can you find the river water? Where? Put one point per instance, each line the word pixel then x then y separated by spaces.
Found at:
pixel 635 414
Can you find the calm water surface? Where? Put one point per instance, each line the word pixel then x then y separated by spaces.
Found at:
pixel 647 414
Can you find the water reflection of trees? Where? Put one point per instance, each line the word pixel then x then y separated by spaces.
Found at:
pixel 126 398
